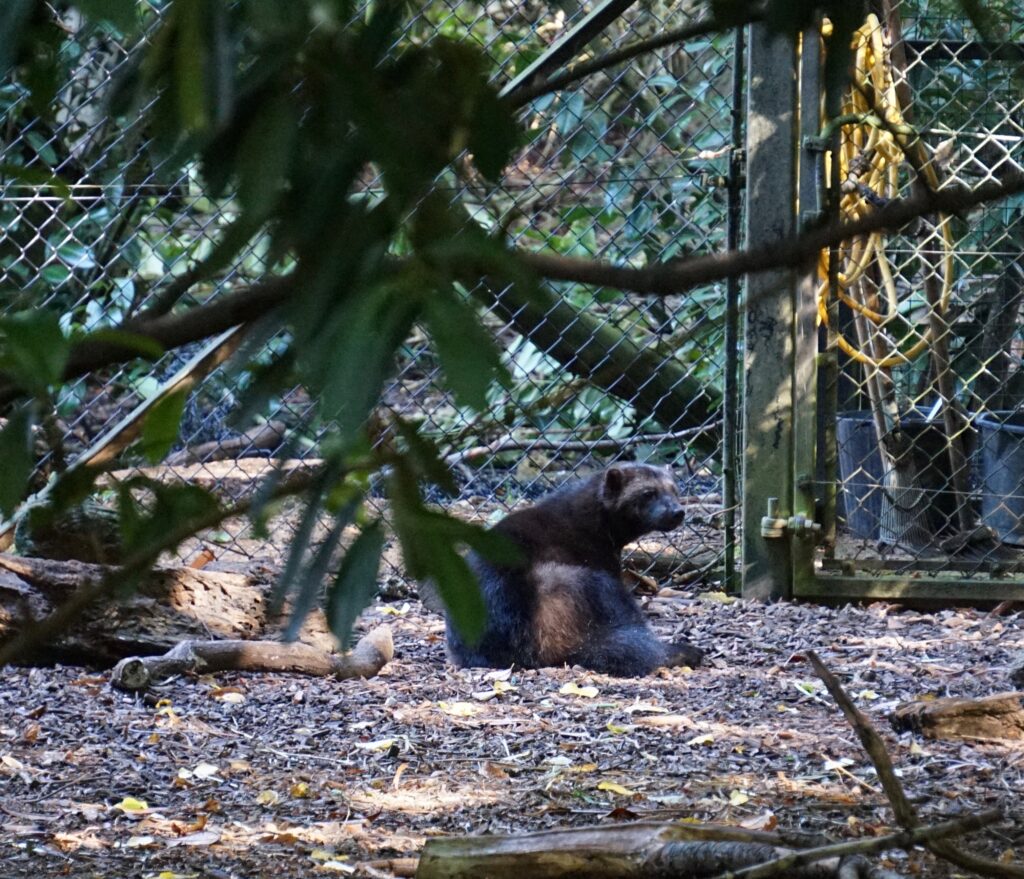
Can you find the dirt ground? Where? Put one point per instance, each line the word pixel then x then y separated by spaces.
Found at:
pixel 247 775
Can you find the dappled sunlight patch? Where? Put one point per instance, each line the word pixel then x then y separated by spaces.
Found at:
pixel 426 797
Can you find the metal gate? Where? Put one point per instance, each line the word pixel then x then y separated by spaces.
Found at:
pixel 889 372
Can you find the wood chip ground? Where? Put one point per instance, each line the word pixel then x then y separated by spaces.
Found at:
pixel 279 776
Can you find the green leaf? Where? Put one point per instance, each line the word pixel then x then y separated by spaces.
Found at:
pixel 356 584
pixel 425 457
pixel 189 54
pixel 33 349
pixel 16 453
pixel 14 15
pixel 352 358
pixel 470 359
pixel 166 511
pixel 161 425
pixel 459 590
pixel 429 543
pixel 299 544
pixel 493 135
pixel 73 486
pixel 123 14
pixel 310 581
pixel 265 155
pixel 264 382
pixel 35 176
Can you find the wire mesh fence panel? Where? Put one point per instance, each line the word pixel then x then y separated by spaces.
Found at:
pixel 928 321
pixel 99 224
pixel 629 165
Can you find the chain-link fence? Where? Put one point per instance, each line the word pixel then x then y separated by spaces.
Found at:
pixel 930 421
pixel 632 166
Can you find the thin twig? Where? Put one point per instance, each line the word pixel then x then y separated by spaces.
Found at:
pixel 872 742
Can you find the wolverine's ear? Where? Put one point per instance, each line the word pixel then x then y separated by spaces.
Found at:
pixel 613 482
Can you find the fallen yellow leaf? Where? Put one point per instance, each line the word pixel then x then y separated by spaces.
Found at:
pixel 616 789
pixel 130 804
pixel 716 597
pixel 378 745
pixel 738 798
pixel 459 709
pixel 574 689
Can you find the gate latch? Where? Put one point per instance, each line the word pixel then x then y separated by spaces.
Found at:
pixel 799 525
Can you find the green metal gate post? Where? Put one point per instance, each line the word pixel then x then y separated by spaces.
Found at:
pixel 810 208
pixel 769 337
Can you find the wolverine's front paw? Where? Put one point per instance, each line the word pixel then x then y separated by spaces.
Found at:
pixel 684 653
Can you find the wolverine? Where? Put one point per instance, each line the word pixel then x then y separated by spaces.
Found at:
pixel 564 602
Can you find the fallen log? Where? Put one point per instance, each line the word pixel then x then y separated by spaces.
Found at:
pixel 170 605
pixel 668 851
pixel 367 658
pixel 264 437
pixel 1000 716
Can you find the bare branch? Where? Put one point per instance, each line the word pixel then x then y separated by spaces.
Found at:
pixel 251 303
pixel 666 279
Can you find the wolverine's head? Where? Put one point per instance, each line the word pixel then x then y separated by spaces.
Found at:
pixel 641 498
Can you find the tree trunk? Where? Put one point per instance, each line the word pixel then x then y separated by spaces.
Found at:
pixel 658 386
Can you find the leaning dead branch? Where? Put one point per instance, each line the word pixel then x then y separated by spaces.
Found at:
pixel 367 658
pixel 902 808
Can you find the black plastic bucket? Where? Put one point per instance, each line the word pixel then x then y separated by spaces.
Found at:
pixel 1001 436
pixel 860 470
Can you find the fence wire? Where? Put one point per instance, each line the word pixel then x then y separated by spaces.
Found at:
pixel 630 167
pixel 930 408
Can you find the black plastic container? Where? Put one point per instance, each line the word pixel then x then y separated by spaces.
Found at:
pixel 1001 437
pixel 860 470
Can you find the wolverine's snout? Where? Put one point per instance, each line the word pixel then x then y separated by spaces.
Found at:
pixel 671 518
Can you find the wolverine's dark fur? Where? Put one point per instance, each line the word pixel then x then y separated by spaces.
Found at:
pixel 566 603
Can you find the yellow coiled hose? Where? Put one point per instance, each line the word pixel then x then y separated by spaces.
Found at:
pixel 876 143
